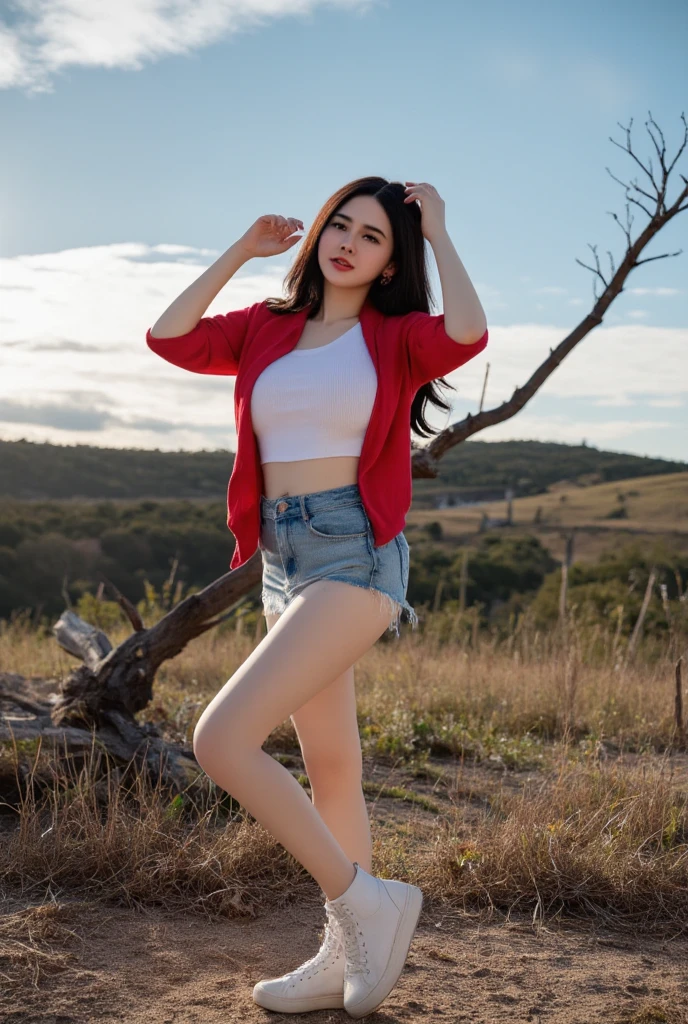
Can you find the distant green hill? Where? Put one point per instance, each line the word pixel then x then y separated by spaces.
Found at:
pixel 472 471
pixel 71 515
pixel 482 470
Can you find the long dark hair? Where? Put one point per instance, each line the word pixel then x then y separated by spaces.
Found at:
pixel 408 291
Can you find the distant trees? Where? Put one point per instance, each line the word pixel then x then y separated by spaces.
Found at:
pixel 51 553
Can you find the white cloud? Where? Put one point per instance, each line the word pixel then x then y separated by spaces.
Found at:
pixel 75 321
pixel 616 363
pixel 613 402
pixel 659 292
pixel 668 403
pixel 76 368
pixel 47 36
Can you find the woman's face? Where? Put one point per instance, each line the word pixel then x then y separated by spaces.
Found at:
pixel 359 233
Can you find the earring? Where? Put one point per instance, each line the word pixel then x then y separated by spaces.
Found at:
pixel 385 279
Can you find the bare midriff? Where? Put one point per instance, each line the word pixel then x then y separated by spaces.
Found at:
pixel 284 479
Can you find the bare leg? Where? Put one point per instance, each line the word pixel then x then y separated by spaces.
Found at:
pixel 327 729
pixel 321 634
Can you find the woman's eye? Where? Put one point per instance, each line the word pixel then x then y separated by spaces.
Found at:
pixel 338 224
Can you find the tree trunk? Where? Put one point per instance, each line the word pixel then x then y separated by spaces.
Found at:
pixel 104 693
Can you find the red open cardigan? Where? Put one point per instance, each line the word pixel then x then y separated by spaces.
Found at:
pixel 407 352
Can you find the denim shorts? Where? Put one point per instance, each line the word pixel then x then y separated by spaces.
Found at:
pixel 327 535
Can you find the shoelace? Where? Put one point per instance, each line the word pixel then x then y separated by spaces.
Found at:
pixel 356 952
pixel 327 951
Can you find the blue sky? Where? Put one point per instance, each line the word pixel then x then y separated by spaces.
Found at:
pixel 143 139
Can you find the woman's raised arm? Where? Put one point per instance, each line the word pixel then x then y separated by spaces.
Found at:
pixel 270 235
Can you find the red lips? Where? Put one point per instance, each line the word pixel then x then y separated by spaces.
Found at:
pixel 342 263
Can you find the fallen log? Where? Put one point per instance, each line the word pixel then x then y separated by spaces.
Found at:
pixel 98 701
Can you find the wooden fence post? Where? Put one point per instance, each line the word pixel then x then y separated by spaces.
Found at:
pixel 643 609
pixel 678 703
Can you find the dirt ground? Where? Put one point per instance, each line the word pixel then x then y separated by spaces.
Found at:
pixel 153 967
pixel 75 962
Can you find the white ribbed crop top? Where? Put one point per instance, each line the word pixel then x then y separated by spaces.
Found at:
pixel 316 402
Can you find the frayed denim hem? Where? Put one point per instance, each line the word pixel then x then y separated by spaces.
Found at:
pixel 272 605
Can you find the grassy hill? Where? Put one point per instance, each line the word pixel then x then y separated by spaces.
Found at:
pixel 483 470
pixel 603 516
pixel 52 544
pixel 652 503
pixel 476 470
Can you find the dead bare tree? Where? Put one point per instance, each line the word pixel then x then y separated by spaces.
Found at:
pixel 111 685
pixel 425 461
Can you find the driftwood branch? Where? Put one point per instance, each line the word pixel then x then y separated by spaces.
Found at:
pixel 129 609
pixel 32 705
pixel 121 680
pixel 98 701
pixel 82 640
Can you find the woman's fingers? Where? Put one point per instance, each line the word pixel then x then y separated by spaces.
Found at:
pixel 281 227
pixel 419 190
pixel 271 233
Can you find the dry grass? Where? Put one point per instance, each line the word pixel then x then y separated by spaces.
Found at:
pixel 32 942
pixel 655 503
pixel 453 691
pixel 606 841
pixel 593 831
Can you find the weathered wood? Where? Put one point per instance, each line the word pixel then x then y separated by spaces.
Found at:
pixel 81 639
pixel 97 702
pixel 166 763
pixel 31 705
pixel 112 690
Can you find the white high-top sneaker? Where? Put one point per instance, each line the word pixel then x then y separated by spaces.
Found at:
pixel 378 918
pixel 316 985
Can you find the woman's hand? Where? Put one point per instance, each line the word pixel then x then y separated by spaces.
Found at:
pixel 432 222
pixel 271 235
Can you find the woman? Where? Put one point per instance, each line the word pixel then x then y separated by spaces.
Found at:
pixel 326 381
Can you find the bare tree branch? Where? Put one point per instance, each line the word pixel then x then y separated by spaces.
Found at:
pixel 129 609
pixel 425 460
